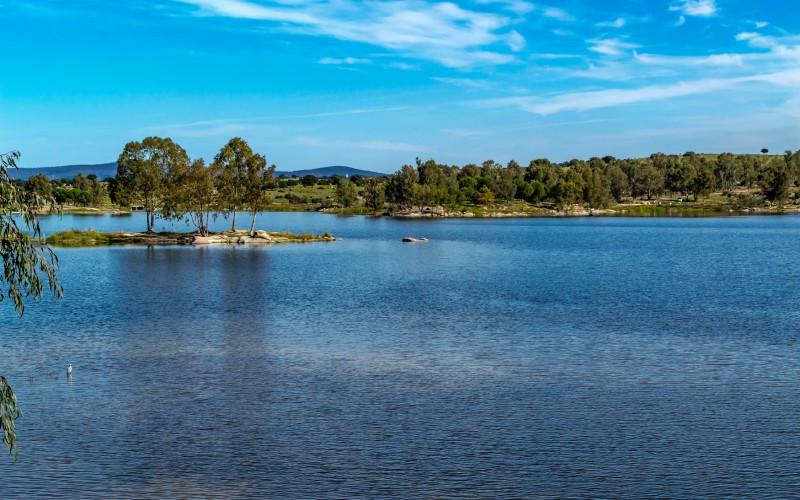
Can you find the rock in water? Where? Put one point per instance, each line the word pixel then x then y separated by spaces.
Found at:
pixel 409 239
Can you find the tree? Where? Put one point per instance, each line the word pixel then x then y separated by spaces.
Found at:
pixel 346 193
pixel 39 184
pixel 193 195
pixel 619 182
pixel 400 187
pixel 374 194
pixel 775 180
pixel 486 196
pixel 143 171
pixel 258 180
pixel 232 161
pixel 704 182
pixel 309 180
pixel 648 181
pixel 680 176
pixel 726 171
pixel 28 264
pixel 598 190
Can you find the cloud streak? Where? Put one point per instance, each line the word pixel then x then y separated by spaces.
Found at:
pixel 443 32
pixel 701 8
pixel 584 101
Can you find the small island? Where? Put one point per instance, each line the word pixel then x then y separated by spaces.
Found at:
pixel 74 238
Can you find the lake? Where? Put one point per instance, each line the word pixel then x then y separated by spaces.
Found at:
pixel 602 357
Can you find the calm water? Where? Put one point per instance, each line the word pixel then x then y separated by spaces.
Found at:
pixel 532 357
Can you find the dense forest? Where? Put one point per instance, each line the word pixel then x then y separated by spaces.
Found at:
pixel 157 176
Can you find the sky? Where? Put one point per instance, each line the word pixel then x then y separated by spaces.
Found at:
pixel 376 84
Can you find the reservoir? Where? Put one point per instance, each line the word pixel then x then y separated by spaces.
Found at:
pixel 588 357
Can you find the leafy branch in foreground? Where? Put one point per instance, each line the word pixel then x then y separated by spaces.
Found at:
pixel 28 266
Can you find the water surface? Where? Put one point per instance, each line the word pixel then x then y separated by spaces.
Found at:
pixel 521 357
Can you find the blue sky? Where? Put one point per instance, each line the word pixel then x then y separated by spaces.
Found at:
pixel 375 84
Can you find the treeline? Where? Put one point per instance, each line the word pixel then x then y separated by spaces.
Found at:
pixel 158 176
pixel 596 183
pixel 80 191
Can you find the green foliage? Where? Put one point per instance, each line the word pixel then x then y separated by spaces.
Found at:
pixel 704 182
pixel 192 194
pixel 775 180
pixel 232 161
pixel 374 194
pixel 143 171
pixel 486 196
pixel 346 193
pixel 297 237
pixel 400 188
pixel 9 412
pixel 79 238
pixel 28 266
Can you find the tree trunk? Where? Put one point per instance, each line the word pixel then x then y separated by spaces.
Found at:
pixel 253 225
pixel 150 221
pixel 233 226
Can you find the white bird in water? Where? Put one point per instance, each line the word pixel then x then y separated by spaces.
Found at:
pixel 69 370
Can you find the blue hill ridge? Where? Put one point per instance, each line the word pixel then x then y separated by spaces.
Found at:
pixel 105 170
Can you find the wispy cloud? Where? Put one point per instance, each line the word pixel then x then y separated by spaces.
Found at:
pixel 616 23
pixel 374 145
pixel 557 13
pixel 444 32
pixel 345 112
pixel 610 46
pixel 466 133
pixel 584 101
pixel 471 83
pixel 345 60
pixel 702 8
pixel 517 6
pixel 719 60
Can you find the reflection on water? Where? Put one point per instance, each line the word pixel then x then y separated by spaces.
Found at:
pixel 584 357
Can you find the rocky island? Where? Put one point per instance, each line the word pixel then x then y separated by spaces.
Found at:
pixel 241 237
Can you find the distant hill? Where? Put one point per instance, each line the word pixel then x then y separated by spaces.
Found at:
pixel 329 171
pixel 104 170
pixel 101 170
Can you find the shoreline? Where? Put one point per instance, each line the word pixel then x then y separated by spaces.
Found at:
pixel 654 209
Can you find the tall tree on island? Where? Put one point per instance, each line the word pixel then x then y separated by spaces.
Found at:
pixel 143 171
pixel 192 195
pixel 232 162
pixel 258 180
pixel 28 266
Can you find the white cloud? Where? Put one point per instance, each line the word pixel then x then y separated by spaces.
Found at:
pixel 703 8
pixel 346 60
pixel 761 24
pixel 516 41
pixel 583 101
pixel 517 6
pixel 616 23
pixel 681 21
pixel 469 83
pixel 558 14
pixel 444 32
pixel 719 60
pixel 787 46
pixel 610 46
